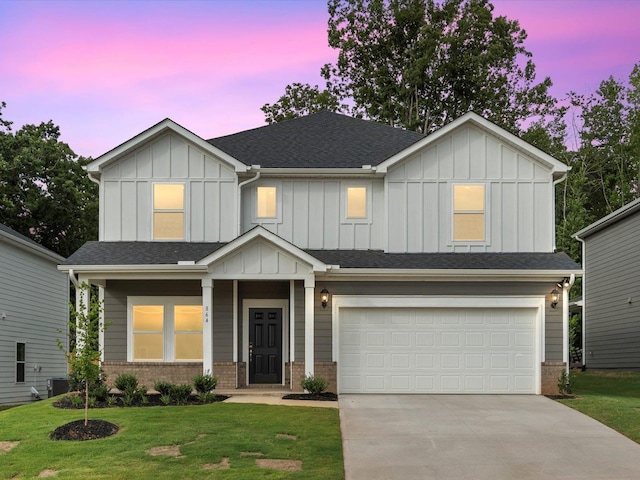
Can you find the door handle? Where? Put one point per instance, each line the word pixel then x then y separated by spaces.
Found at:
pixel 250 352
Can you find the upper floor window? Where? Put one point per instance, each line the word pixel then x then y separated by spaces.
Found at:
pixel 356 202
pixel 165 329
pixel 21 356
pixel 267 205
pixel 168 211
pixel 468 212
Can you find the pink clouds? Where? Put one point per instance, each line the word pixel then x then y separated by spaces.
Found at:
pixel 104 71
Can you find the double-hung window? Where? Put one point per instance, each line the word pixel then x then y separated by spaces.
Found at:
pixel 469 213
pixel 168 211
pixel 356 202
pixel 21 357
pixel 266 202
pixel 165 329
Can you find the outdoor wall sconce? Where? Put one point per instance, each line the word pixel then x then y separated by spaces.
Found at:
pixel 324 297
pixel 555 295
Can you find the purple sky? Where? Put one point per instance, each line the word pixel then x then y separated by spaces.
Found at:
pixel 105 71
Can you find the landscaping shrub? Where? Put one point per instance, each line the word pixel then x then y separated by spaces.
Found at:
pixel 162 387
pixel 564 383
pixel 99 392
pixel 204 383
pixel 131 393
pixel 126 381
pixel 314 385
pixel 180 393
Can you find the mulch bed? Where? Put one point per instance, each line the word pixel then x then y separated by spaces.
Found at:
pixel 560 397
pixel 153 400
pixel 77 430
pixel 322 397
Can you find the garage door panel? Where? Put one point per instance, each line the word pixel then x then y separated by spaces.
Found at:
pixel 431 350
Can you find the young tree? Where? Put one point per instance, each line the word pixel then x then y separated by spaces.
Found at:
pixel 84 352
pixel 44 192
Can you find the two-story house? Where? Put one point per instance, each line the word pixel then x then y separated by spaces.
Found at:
pixel 383 260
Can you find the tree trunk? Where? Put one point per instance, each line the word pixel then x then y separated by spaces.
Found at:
pixel 86 402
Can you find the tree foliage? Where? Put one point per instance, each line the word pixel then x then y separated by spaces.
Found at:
pixel 300 100
pixel 419 64
pixel 44 192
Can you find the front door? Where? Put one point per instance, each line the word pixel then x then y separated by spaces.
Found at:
pixel 265 345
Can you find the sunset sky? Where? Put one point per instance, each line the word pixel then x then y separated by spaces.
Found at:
pixel 105 71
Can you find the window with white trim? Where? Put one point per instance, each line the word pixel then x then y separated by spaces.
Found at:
pixel 469 213
pixel 267 202
pixel 357 202
pixel 165 329
pixel 21 357
pixel 168 211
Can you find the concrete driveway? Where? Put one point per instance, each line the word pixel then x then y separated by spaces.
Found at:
pixel 478 437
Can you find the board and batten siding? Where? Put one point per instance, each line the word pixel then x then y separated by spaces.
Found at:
pixel 553 316
pixel 34 297
pixel 518 192
pixel 126 192
pixel 312 213
pixel 612 323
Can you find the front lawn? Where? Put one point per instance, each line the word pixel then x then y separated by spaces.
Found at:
pixel 218 440
pixel 611 397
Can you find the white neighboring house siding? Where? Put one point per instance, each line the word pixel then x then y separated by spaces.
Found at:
pixel 33 296
pixel 312 213
pixel 519 196
pixel 126 196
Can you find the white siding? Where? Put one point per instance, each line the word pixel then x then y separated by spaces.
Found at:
pixel 34 297
pixel 311 213
pixel 210 186
pixel 519 195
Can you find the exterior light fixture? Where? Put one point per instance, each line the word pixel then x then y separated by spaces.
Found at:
pixel 555 295
pixel 324 297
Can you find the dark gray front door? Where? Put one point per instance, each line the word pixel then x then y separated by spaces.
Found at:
pixel 265 345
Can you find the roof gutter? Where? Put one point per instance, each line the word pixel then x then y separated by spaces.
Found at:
pixel 467 275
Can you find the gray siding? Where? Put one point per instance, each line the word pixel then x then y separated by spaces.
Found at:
pixel 34 297
pixel 612 263
pixel 223 321
pixel 553 317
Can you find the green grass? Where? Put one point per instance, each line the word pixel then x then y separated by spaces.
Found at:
pixel 228 430
pixel 611 397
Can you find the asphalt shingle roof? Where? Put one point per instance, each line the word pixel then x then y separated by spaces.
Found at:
pixel 319 140
pixel 169 253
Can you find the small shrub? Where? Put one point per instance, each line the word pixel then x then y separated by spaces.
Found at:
pixel 314 385
pixel 564 383
pixel 99 392
pixel 111 401
pixel 165 399
pixel 162 387
pixel 204 383
pixel 126 381
pixel 76 400
pixel 207 397
pixel 92 402
pixel 180 393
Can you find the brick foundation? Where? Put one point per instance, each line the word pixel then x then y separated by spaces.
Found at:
pixel 326 370
pixel 242 374
pixel 225 372
pixel 148 373
pixel 550 375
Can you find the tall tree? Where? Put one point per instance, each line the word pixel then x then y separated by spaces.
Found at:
pixel 44 192
pixel 299 100
pixel 419 64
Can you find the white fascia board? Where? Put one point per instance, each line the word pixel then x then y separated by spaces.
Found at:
pixel 133 268
pixel 469 275
pixel 364 171
pixel 158 129
pixel 604 222
pixel 31 247
pixel 261 232
pixel 554 165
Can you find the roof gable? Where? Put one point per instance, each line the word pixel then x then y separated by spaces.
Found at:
pixel 319 140
pixel 477 121
pixel 158 130
pixel 10 235
pixel 623 212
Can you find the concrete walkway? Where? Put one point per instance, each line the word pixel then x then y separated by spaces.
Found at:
pixel 478 437
pixel 278 400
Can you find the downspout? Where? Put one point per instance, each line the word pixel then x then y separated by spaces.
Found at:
pixel 239 207
pixel 73 278
pixel 93 179
pixel 566 286
pixel 584 301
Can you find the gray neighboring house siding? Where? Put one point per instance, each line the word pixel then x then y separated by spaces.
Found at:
pixel 612 290
pixel 33 310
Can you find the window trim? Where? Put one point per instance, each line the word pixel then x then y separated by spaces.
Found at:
pixel 254 203
pixel 168 303
pixel 485 212
pixel 183 211
pixel 21 362
pixel 345 203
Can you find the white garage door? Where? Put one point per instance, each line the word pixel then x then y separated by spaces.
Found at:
pixel 437 350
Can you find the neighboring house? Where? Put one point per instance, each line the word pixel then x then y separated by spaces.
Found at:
pixel 34 309
pixel 381 259
pixel 611 289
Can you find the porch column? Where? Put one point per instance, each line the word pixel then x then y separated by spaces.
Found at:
pixel 207 325
pixel 83 300
pixel 309 324
pixel 565 326
pixel 292 329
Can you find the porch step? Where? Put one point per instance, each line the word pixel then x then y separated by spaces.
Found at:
pixel 260 391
